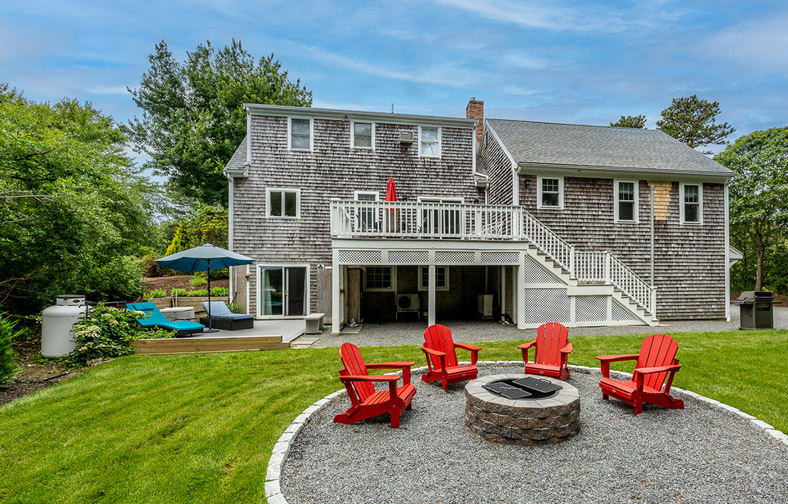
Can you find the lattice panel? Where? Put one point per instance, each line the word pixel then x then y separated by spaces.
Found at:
pixel 361 257
pixel 591 309
pixel 409 257
pixel 535 274
pixel 500 258
pixel 546 305
pixel 622 314
pixel 449 257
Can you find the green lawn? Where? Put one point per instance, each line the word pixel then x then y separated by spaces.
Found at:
pixel 200 428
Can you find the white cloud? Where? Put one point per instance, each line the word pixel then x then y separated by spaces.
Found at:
pixel 758 45
pixel 107 90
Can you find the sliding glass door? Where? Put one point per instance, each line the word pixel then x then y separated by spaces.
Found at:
pixel 283 290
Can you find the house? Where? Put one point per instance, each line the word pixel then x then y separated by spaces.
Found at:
pixel 530 221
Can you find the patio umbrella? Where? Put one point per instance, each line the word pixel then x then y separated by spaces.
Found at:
pixel 204 258
pixel 391 213
pixel 391 190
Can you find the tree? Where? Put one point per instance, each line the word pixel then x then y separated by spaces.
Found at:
pixel 694 122
pixel 759 194
pixel 73 209
pixel 638 121
pixel 192 112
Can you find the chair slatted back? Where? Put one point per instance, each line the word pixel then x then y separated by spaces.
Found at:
pixel 354 365
pixel 438 337
pixel 657 350
pixel 550 338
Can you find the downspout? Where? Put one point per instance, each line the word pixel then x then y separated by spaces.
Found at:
pixel 230 234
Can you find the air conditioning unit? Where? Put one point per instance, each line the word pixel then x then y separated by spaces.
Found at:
pixel 485 306
pixel 406 137
pixel 407 302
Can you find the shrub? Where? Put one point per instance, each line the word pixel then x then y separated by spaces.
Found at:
pixel 156 293
pixel 8 333
pixel 178 292
pixel 198 280
pixel 216 291
pixel 106 333
pixel 150 268
pixel 235 308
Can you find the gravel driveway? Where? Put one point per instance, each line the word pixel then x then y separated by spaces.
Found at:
pixel 700 454
pixel 412 333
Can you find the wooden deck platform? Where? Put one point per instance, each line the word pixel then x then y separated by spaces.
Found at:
pixel 207 345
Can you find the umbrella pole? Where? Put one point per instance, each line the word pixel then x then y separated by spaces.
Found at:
pixel 210 319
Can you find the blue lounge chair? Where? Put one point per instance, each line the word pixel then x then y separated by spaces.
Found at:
pixel 223 318
pixel 157 319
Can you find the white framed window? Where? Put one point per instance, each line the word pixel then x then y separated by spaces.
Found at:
pixel 380 279
pixel 549 192
pixel 362 135
pixel 283 203
pixel 300 133
pixel 625 208
pixel 430 141
pixel 691 199
pixel 366 218
pixel 440 221
pixel 441 278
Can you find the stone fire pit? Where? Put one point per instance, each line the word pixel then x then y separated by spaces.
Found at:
pixel 522 421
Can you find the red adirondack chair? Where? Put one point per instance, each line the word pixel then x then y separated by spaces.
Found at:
pixel 552 349
pixel 440 350
pixel 656 364
pixel 366 402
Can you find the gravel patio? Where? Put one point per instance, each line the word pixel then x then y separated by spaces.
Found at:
pixel 700 454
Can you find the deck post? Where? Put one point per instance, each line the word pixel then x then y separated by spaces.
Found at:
pixel 518 292
pixel 431 296
pixel 335 305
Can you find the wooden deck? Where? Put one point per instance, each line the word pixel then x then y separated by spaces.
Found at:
pixel 207 345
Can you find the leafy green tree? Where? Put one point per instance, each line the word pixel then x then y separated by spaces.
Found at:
pixel 638 121
pixel 759 196
pixel 694 121
pixel 192 112
pixel 73 209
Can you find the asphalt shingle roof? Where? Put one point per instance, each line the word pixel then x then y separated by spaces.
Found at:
pixel 238 160
pixel 625 149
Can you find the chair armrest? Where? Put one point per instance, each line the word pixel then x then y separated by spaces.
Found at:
pixel 567 349
pixel 616 358
pixel 659 369
pixel 471 348
pixel 430 351
pixel 390 365
pixel 369 378
pixel 526 346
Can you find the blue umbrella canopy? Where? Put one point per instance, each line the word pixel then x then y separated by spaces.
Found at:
pixel 203 258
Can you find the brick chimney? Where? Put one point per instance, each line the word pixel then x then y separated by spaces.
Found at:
pixel 475 110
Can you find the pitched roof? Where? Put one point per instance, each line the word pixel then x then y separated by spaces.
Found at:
pixel 237 164
pixel 602 147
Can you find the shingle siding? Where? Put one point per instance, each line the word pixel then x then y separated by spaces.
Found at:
pixel 499 169
pixel 334 170
pixel 689 259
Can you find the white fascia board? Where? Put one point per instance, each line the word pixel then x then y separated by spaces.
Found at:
pixel 515 171
pixel 618 172
pixel 358 115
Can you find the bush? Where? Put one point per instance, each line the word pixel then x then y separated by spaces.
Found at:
pixel 179 292
pixel 216 291
pixel 198 281
pixel 150 268
pixel 8 333
pixel 156 293
pixel 106 333
pixel 235 308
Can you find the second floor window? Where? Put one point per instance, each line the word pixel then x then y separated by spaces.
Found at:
pixel 550 192
pixel 363 135
pixel 300 134
pixel 283 203
pixel 691 206
pixel 626 202
pixel 430 141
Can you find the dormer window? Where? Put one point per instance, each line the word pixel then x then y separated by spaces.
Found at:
pixel 299 134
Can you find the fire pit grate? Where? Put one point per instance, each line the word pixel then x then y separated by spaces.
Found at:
pixel 523 388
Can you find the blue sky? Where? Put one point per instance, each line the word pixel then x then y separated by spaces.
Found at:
pixel 578 62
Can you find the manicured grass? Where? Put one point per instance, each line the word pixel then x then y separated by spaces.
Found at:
pixel 200 428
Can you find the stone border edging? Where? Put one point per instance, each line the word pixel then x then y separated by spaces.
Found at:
pixel 273 491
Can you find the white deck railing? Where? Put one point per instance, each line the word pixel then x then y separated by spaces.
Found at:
pixel 404 219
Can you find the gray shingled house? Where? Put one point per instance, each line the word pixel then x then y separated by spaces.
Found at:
pixel 535 222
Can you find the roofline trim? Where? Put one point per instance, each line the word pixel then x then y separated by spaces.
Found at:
pixel 380 117
pixel 609 171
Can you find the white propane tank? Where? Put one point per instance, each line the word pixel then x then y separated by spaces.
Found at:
pixel 56 322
